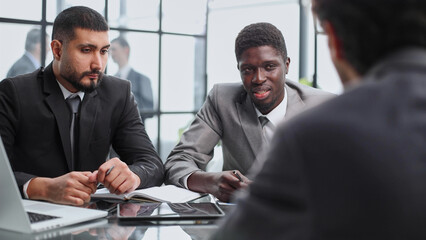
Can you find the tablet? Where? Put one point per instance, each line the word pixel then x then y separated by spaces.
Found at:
pixel 168 211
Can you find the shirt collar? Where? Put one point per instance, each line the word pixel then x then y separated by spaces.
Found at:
pixel 67 93
pixel 124 71
pixel 277 114
pixel 33 60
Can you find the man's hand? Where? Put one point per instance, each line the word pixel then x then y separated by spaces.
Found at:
pixel 119 180
pixel 73 188
pixel 220 184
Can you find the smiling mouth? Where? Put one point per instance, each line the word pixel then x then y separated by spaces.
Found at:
pixel 261 94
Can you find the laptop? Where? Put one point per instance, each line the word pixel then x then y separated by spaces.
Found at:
pixel 15 212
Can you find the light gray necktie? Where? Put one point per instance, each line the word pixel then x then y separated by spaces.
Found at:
pixel 263 121
pixel 73 103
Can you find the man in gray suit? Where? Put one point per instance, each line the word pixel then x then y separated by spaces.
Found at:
pixel 30 61
pixel 231 115
pixel 353 168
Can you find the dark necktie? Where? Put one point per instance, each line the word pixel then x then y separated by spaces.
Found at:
pixel 73 102
pixel 263 121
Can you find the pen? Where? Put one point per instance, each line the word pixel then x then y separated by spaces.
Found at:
pixel 106 174
pixel 237 175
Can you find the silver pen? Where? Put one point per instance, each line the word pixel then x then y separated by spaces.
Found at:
pixel 106 174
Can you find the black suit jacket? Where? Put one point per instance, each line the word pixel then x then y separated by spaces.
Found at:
pixel 35 121
pixel 353 168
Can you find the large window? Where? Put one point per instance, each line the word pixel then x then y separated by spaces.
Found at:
pixel 167 40
pixel 183 47
pixel 228 18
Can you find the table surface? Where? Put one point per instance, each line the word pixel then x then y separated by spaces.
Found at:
pixel 112 228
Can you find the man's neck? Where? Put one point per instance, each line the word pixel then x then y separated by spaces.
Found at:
pixel 122 64
pixel 62 81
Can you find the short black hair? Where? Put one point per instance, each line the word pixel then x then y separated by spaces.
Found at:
pixel 122 41
pixel 77 17
pixel 370 30
pixel 257 35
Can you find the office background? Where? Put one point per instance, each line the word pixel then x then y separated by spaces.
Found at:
pixel 183 46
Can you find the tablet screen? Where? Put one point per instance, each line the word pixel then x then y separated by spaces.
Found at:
pixel 172 211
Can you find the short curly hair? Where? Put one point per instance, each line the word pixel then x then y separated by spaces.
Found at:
pixel 257 35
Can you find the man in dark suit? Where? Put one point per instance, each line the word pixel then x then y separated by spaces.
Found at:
pixel 231 115
pixel 353 168
pixel 141 85
pixel 30 61
pixel 35 120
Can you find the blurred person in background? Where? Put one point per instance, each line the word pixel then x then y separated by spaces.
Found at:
pixel 30 61
pixel 141 84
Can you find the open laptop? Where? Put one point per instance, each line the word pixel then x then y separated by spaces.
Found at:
pixel 15 212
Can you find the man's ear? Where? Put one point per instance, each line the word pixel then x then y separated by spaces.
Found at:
pixel 287 64
pixel 56 46
pixel 348 75
pixel 334 43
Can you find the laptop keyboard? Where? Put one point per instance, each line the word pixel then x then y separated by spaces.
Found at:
pixel 37 217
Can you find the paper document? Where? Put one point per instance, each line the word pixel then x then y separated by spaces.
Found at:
pixel 166 193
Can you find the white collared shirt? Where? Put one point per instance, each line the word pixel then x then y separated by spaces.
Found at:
pixel 67 93
pixel 275 116
pixel 34 61
pixel 123 73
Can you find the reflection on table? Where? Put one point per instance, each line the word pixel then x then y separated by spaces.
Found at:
pixel 113 228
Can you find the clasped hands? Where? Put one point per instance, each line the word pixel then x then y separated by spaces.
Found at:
pixel 75 188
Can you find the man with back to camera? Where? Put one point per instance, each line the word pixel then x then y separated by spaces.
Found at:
pixel 231 115
pixel 141 85
pixel 30 61
pixel 36 123
pixel 353 168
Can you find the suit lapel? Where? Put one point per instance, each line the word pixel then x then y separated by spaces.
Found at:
pixel 294 103
pixel 55 100
pixel 250 124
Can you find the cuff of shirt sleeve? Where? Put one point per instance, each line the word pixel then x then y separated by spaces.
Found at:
pixel 185 180
pixel 25 187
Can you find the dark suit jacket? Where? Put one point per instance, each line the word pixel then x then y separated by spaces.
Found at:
pixel 353 168
pixel 228 115
pixel 34 126
pixel 21 66
pixel 142 90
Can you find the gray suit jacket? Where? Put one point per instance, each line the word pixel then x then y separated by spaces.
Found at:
pixel 141 88
pixel 228 115
pixel 353 168
pixel 21 66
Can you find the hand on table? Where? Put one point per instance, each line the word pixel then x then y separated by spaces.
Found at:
pixel 220 184
pixel 73 188
pixel 119 180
